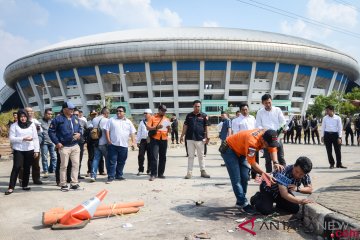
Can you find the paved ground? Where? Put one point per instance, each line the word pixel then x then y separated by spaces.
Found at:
pixel 342 197
pixel 170 211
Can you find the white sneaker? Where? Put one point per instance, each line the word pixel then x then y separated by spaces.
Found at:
pixel 92 179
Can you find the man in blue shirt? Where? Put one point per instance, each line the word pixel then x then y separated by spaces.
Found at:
pixel 226 126
pixel 65 132
pixel 288 180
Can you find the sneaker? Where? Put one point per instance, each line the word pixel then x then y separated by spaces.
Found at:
pixel 46 175
pixel 26 188
pixel 121 178
pixel 161 176
pixel 248 209
pixel 81 177
pixel 204 174
pixel 152 178
pixel 75 186
pixel 92 179
pixel 188 175
pixel 139 173
pixel 64 188
pixel 109 181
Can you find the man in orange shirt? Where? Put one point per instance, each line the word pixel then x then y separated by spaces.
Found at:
pixel 241 147
pixel 159 125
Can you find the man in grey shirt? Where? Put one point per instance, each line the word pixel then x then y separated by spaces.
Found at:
pixel 46 145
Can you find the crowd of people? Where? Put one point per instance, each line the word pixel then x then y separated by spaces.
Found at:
pixel 62 138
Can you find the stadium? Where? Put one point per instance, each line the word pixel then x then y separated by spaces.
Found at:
pixel 142 68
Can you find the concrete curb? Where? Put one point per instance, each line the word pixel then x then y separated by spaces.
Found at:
pixel 327 223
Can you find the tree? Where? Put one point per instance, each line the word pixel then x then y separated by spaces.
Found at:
pixel 340 101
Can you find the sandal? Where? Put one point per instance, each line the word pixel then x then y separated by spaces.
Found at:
pixel 26 188
pixel 9 191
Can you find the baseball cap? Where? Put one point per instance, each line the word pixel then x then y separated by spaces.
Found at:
pixel 148 111
pixel 68 105
pixel 163 108
pixel 271 137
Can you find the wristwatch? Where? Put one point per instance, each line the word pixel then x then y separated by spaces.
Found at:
pixel 275 163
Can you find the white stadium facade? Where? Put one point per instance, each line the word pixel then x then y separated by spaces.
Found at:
pixel 142 68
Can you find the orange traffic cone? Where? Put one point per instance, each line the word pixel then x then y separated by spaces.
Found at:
pixel 104 210
pixel 80 215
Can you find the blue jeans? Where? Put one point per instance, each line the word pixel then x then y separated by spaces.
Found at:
pixel 115 161
pixel 99 152
pixel 45 148
pixel 239 175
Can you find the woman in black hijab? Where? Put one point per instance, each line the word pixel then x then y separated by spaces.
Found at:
pixel 25 144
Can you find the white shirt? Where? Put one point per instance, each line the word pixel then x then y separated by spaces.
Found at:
pixel 247 123
pixel 331 124
pixel 83 118
pixel 120 131
pixel 17 135
pixel 142 132
pixel 37 123
pixel 273 119
pixel 102 121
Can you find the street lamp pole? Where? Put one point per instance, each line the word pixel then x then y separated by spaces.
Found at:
pixel 124 74
pixel 160 90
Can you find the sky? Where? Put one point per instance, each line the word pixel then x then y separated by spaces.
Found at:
pixel 29 25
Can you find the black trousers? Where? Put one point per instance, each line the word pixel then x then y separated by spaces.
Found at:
pixel 35 170
pixel 158 153
pixel 307 136
pixel 280 154
pixel 174 135
pixel 57 170
pixel 313 133
pixel 298 135
pixel 331 139
pixel 144 147
pixel 22 160
pixel 290 134
pixel 265 200
pixel 348 132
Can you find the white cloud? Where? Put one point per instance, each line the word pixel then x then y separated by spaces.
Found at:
pixel 301 29
pixel 132 13
pixel 13 47
pixel 210 24
pixel 16 11
pixel 323 11
pixel 332 13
